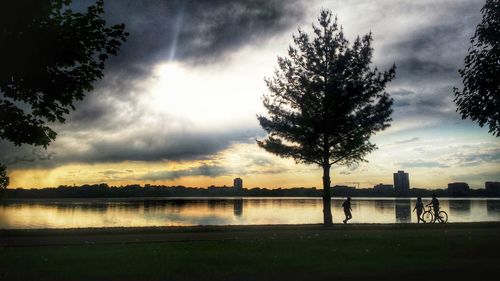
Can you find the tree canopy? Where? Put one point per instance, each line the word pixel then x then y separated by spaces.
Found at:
pixel 479 99
pixel 325 101
pixel 4 180
pixel 50 57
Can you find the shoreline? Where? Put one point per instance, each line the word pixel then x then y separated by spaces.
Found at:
pixel 255 226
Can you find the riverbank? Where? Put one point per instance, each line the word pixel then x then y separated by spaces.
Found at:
pixel 274 252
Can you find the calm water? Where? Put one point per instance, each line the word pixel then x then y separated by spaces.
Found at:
pixel 65 213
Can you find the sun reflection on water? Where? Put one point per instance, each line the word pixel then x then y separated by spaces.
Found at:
pixel 222 211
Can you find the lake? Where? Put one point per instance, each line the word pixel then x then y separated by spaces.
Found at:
pixel 124 212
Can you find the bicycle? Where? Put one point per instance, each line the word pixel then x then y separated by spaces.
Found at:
pixel 428 216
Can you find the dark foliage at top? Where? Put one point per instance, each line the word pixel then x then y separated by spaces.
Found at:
pixel 4 180
pixel 50 57
pixel 479 99
pixel 325 101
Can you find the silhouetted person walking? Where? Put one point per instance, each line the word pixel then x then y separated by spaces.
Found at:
pixel 435 206
pixel 419 206
pixel 347 209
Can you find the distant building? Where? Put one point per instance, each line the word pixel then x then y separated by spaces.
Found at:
pixel 492 187
pixel 401 183
pixel 383 188
pixel 346 187
pixel 458 188
pixel 342 190
pixel 238 183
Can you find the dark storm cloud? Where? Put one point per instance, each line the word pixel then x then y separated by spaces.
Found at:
pixel 194 31
pixel 420 68
pixel 23 156
pixel 428 56
pixel 103 110
pixel 418 163
pixel 212 170
pixel 475 158
pixel 436 102
pixel 143 145
pixel 427 102
pixel 271 171
pixel 116 172
pixel 347 170
pixel 179 146
pixel 259 160
pixel 203 170
pixel 414 139
pixel 431 53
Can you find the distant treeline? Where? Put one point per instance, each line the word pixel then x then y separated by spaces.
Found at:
pixel 103 190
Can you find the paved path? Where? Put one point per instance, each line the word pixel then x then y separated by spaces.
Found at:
pixel 89 236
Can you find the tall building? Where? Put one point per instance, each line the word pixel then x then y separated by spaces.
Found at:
pixel 492 187
pixel 401 183
pixel 458 188
pixel 238 183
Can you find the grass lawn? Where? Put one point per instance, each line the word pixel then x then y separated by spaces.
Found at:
pixel 339 253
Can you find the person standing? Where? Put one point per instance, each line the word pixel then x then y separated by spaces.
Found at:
pixel 419 206
pixel 347 209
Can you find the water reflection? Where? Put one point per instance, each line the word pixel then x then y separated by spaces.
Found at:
pixel 384 206
pixel 223 211
pixel 459 207
pixel 403 210
pixel 493 207
pixel 238 207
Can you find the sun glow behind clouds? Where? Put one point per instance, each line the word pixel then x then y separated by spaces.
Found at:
pixel 207 97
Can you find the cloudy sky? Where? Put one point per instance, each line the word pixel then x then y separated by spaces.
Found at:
pixel 178 105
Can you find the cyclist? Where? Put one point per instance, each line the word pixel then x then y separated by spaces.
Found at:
pixel 435 206
pixel 419 206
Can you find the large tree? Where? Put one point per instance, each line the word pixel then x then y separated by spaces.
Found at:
pixel 325 101
pixel 479 99
pixel 50 58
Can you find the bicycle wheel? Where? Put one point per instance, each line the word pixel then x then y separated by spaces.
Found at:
pixel 443 217
pixel 428 217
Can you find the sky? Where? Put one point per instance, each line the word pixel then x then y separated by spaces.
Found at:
pixel 178 105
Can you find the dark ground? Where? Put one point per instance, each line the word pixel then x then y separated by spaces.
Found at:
pixel 469 251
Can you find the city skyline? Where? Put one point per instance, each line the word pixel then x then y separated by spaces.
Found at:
pixel 237 183
pixel 142 125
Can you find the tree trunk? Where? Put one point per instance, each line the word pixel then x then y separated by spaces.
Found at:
pixel 327 200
